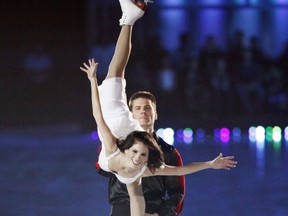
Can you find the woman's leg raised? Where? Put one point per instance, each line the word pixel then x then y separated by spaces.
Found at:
pixel 113 95
pixel 121 54
pixel 132 10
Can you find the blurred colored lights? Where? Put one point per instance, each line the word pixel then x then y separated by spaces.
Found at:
pixel 167 135
pixel 200 133
pixel 217 133
pixel 187 135
pixel 252 134
pixel 224 134
pixel 236 132
pixel 286 133
pixel 94 135
pixel 269 133
pixel 277 134
pixel 258 134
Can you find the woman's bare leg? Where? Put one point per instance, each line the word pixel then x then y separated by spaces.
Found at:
pixel 121 54
pixel 131 11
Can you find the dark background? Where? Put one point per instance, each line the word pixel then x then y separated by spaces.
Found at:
pixel 47 149
pixel 67 31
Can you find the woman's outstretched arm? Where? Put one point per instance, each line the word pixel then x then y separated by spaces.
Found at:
pixel 108 139
pixel 219 162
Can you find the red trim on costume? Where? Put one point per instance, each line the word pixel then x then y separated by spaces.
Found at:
pixel 97 166
pixel 182 183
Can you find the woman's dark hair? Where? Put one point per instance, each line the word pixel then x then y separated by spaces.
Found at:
pixel 155 156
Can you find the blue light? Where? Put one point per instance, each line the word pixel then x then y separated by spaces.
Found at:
pixel 278 25
pixel 180 134
pixel 188 140
pixel 211 2
pixel 254 2
pixel 173 23
pixel 236 132
pixel 286 133
pixel 180 137
pixel 217 133
pixel 252 134
pixel 210 22
pixel 260 156
pixel 200 133
pixel 94 135
pixel 171 2
pixel 283 2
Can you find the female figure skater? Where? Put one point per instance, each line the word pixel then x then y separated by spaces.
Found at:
pixel 136 154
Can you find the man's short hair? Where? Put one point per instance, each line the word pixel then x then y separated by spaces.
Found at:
pixel 141 94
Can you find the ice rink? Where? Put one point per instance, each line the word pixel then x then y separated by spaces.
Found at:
pixel 49 171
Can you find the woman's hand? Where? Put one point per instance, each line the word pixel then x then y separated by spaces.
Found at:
pixel 90 69
pixel 221 162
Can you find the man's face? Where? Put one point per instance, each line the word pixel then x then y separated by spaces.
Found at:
pixel 144 111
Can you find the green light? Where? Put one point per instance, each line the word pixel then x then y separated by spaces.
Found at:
pixel 277 146
pixel 188 132
pixel 269 133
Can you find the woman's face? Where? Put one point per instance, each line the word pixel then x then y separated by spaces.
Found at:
pixel 137 154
